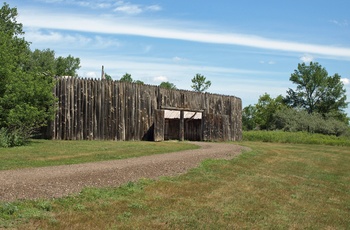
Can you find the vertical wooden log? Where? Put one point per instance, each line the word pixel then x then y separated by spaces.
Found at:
pixel 182 126
pixel 159 125
pixel 122 111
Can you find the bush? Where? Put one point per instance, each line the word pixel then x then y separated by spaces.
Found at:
pixel 11 139
pixel 300 121
pixel 295 137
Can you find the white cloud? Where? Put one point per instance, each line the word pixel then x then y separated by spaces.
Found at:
pixel 346 81
pixel 53 37
pixel 269 62
pixel 129 9
pixel 340 23
pixel 168 30
pixel 90 75
pixel 133 9
pixel 177 59
pixel 154 8
pixel 160 79
pixel 307 58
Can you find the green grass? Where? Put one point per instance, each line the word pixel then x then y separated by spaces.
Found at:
pixel 41 153
pixel 295 137
pixel 273 186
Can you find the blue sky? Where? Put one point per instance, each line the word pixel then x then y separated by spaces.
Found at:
pixel 246 48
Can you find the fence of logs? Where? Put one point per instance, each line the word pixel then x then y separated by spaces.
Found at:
pixel 89 109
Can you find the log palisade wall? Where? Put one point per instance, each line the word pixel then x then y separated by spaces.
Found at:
pixel 111 110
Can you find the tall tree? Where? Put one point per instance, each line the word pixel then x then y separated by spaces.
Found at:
pixel 167 85
pixel 126 78
pixel 67 66
pixel 200 83
pixel 265 110
pixel 42 61
pixel 316 91
pixel 26 99
pixel 108 77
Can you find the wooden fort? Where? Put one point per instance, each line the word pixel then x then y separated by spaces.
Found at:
pixel 90 109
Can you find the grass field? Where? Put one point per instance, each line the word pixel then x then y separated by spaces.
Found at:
pixel 273 186
pixel 41 153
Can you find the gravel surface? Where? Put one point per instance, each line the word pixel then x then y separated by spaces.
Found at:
pixel 59 181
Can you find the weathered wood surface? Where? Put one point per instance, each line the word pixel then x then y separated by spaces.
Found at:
pixel 89 109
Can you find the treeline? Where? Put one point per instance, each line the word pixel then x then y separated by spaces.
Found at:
pixel 316 105
pixel 26 81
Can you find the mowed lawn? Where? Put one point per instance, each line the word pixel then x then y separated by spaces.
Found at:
pixel 273 186
pixel 41 153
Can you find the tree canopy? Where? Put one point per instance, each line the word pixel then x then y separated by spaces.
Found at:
pixel 316 105
pixel 26 81
pixel 126 78
pixel 316 91
pixel 167 85
pixel 200 83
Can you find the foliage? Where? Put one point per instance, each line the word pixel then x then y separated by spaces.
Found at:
pixel 316 91
pixel 126 78
pixel 167 85
pixel 248 117
pixel 315 106
pixel 199 83
pixel 26 99
pixel 67 66
pixel 139 82
pixel 293 120
pixel 11 139
pixel 261 115
pixel 265 109
pixel 108 77
pixel 295 138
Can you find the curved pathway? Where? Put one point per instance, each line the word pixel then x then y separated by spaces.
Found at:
pixel 59 181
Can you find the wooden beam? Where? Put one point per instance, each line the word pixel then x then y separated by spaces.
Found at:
pixel 182 109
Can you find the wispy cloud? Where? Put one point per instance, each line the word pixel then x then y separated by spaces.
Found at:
pixel 133 9
pixel 178 59
pixel 268 62
pixel 160 79
pixel 54 37
pixel 346 81
pixel 167 30
pixel 340 23
pixel 307 58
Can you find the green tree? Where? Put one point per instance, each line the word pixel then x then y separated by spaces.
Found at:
pixel 26 99
pixel 261 115
pixel 139 82
pixel 167 85
pixel 42 61
pixel 108 77
pixel 199 83
pixel 67 66
pixel 316 91
pixel 248 117
pixel 126 78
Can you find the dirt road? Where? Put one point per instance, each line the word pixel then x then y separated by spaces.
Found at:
pixel 59 181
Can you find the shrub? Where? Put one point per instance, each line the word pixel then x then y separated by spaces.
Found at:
pixel 295 137
pixel 11 138
pixel 300 121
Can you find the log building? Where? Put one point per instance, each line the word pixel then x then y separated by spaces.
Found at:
pixel 90 109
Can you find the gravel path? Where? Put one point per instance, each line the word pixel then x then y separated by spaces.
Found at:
pixel 59 181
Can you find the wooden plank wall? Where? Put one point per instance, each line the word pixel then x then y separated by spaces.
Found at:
pixel 90 109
